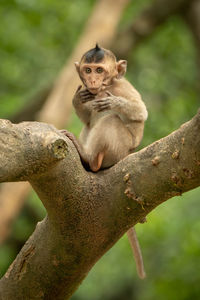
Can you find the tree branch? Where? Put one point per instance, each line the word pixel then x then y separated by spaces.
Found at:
pixel 26 149
pixel 87 212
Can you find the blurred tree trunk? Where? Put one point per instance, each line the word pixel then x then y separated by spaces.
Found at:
pixel 146 24
pixel 87 212
pixel 12 197
pixel 101 27
pixel 192 17
pixel 32 107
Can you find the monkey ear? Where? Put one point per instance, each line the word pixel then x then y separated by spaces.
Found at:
pixel 121 68
pixel 77 65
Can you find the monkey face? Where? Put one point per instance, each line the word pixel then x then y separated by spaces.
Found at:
pixel 97 76
pixel 93 76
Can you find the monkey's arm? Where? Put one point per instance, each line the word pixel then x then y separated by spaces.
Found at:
pixel 82 105
pixel 130 110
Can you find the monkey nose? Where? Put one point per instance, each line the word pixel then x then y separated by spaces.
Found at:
pixel 93 83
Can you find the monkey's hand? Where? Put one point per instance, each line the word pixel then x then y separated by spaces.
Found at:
pixel 83 95
pixel 106 103
pixel 86 96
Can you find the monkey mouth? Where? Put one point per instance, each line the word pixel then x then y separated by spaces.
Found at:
pixel 94 90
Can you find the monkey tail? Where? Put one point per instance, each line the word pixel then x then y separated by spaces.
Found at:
pixel 136 252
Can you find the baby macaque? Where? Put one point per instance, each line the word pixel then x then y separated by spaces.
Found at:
pixel 113 114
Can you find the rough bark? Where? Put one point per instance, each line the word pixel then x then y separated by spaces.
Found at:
pixel 87 212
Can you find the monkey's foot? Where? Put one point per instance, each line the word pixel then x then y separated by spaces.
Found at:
pixel 74 140
pixel 70 135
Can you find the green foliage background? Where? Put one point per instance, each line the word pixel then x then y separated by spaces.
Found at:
pixel 36 37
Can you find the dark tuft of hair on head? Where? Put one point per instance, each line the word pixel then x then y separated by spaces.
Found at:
pixel 94 55
pixel 97 48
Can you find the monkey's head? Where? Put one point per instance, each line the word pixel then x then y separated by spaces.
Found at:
pixel 98 67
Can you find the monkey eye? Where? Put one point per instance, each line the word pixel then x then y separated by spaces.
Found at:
pixel 88 70
pixel 99 70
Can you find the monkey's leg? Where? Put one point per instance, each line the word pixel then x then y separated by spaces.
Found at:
pixel 136 252
pixel 93 163
pixel 78 146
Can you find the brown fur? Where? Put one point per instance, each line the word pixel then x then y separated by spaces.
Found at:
pixel 113 114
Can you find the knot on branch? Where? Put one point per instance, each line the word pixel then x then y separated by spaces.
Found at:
pixel 130 193
pixel 28 148
pixel 56 146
